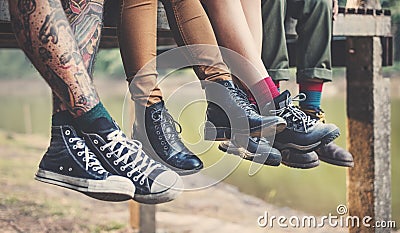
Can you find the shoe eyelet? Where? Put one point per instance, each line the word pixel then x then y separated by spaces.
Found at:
pixel 115 163
pixel 95 169
pixel 74 147
pixel 162 143
pixel 61 168
pixel 101 148
pixel 84 159
pixel 70 140
pixel 160 138
pixel 135 178
pixel 129 175
pixel 67 132
pixel 158 132
pixel 108 155
pixel 122 168
pixel 165 147
pixel 70 169
pixel 79 153
pixel 141 182
pixel 95 141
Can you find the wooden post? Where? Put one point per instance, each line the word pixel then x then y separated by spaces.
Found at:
pixel 142 217
pixel 368 112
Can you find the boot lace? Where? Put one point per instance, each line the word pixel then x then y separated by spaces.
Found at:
pixel 130 154
pixel 90 158
pixel 161 118
pixel 242 100
pixel 295 115
pixel 317 114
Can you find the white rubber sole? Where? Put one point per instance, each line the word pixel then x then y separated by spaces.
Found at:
pixel 114 188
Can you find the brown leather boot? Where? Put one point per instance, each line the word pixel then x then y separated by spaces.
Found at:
pixel 330 153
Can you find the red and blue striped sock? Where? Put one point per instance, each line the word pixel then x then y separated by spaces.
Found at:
pixel 313 92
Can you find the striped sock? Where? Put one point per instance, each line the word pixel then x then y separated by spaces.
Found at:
pixel 313 92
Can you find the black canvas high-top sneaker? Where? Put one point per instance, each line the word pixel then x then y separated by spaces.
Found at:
pixel 120 155
pixel 69 163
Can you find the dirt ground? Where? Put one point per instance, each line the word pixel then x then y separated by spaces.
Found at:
pixel 27 205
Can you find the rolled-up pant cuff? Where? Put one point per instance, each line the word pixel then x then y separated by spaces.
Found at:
pixel 315 73
pixel 279 74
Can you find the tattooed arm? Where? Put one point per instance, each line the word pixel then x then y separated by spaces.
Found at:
pixel 43 32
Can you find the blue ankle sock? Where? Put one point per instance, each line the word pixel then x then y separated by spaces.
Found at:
pixel 84 122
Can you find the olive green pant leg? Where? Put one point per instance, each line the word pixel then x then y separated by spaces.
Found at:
pixel 274 51
pixel 314 29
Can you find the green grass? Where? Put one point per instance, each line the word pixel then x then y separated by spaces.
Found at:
pixel 112 226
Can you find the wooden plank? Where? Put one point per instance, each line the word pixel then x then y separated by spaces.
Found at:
pixel 368 112
pixel 354 22
pixel 362 25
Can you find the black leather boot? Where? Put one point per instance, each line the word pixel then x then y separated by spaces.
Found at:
pixel 258 150
pixel 229 112
pixel 156 129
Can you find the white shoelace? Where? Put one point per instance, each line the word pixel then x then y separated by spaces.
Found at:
pixel 297 114
pixel 90 158
pixel 133 147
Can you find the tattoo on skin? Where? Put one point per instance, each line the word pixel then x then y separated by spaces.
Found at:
pixel 45 54
pixel 26 8
pixel 51 27
pixel 45 35
pixel 85 18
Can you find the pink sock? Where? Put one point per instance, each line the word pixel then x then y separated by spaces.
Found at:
pixel 264 91
pixel 251 97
